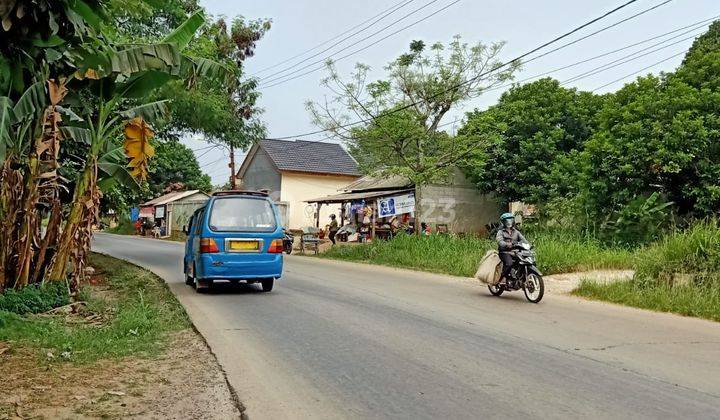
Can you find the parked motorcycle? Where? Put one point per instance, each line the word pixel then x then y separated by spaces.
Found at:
pixel 524 275
pixel 288 240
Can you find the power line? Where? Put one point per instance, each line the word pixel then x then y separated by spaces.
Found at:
pixel 213 162
pixel 513 61
pixel 695 26
pixel 642 12
pixel 622 60
pixel 382 15
pixel 277 80
pixel 639 71
pixel 207 151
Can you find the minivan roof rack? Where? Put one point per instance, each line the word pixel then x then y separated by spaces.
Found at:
pixel 239 192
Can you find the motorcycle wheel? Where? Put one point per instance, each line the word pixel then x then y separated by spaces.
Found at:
pixel 495 290
pixel 534 288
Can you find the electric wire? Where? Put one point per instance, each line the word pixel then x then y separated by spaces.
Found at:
pixel 382 16
pixel 274 81
pixel 483 74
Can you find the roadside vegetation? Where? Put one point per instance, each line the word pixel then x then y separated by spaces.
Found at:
pixel 680 274
pixel 124 227
pixel 121 348
pixel 126 311
pixel 558 252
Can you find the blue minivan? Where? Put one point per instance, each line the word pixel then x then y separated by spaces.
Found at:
pixel 236 236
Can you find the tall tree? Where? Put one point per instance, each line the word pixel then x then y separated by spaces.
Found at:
pixel 404 111
pixel 532 132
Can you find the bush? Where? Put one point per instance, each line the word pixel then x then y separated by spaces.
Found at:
pixel 694 252
pixel 35 299
pixel 124 227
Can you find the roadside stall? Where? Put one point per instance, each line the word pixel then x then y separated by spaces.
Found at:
pixel 370 214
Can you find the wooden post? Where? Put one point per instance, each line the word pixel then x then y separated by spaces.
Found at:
pixel 372 219
pixel 233 180
pixel 342 214
pixel 317 216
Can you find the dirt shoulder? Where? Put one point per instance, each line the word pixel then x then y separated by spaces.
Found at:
pixel 61 374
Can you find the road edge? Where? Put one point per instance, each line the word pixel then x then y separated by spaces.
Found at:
pixel 242 409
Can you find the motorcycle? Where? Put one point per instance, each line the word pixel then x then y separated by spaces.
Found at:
pixel 523 275
pixel 288 240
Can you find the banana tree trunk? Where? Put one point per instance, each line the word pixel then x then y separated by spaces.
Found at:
pixel 84 207
pixel 49 240
pixel 29 224
pixel 11 193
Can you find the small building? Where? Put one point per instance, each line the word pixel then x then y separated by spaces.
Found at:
pixel 295 171
pixel 455 205
pixel 173 210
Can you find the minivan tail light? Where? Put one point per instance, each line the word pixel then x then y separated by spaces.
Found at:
pixel 276 247
pixel 208 246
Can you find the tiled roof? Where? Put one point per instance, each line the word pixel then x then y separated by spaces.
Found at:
pixel 310 156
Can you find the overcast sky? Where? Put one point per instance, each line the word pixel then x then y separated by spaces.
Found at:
pixel 299 25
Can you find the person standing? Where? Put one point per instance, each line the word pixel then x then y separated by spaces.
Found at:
pixel 333 229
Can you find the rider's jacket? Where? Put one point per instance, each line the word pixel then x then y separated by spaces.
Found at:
pixel 512 235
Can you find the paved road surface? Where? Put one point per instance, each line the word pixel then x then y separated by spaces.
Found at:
pixel 337 340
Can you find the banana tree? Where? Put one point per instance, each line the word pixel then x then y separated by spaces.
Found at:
pixel 120 81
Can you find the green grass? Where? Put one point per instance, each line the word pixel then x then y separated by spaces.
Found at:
pixel 142 313
pixel 689 300
pixel 679 274
pixel 35 299
pixel 695 251
pixel 124 227
pixel 448 254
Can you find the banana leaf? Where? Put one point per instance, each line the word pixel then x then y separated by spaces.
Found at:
pixel 183 34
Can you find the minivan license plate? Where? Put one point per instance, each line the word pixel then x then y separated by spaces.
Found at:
pixel 244 245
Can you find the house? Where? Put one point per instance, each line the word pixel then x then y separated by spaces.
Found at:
pixel 454 205
pixel 296 171
pixel 173 210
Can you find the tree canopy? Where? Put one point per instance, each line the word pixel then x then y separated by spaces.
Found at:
pixel 176 163
pixel 648 150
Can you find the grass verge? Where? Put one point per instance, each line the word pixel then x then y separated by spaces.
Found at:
pixel 679 274
pixel 689 300
pixel 129 312
pixel 454 255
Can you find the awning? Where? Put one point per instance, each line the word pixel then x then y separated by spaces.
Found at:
pixel 342 198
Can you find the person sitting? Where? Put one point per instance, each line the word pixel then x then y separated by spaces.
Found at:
pixel 507 238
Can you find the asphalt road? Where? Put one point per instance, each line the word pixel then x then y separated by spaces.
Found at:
pixel 337 340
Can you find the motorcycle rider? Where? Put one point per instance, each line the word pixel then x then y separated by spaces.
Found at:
pixel 507 237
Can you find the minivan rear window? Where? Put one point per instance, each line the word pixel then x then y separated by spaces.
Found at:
pixel 242 214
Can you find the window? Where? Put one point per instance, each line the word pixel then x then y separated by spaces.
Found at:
pixel 242 214
pixel 198 221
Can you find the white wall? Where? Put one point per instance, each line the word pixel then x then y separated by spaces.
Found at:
pixel 296 188
pixel 459 205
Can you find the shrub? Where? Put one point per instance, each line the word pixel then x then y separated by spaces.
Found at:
pixel 35 299
pixel 693 252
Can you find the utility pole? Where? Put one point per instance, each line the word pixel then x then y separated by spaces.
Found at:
pixel 233 180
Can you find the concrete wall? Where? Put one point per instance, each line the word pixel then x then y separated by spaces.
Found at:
pixel 261 174
pixel 296 188
pixel 179 212
pixel 459 205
